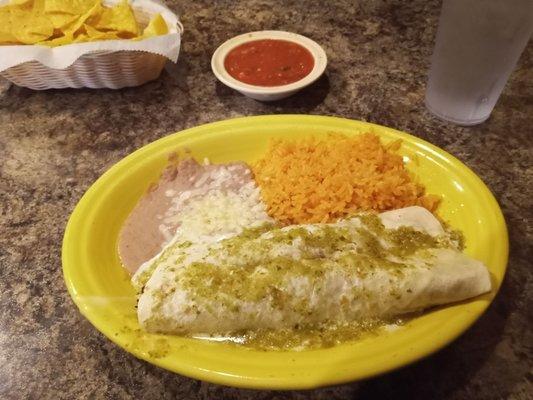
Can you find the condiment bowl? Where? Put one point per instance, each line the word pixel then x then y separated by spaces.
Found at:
pixel 268 93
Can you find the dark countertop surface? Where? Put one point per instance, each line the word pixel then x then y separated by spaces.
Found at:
pixel 54 144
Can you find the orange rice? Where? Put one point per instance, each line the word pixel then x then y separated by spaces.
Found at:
pixel 321 180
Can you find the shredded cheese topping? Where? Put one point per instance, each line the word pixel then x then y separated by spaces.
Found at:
pixel 222 202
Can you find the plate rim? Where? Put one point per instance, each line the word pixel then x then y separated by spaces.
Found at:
pixel 276 383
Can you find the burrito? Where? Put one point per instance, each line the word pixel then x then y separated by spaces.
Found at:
pixel 270 277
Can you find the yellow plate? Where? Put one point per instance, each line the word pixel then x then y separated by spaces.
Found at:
pixel 102 291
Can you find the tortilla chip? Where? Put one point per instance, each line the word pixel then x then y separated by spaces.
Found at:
pixel 156 27
pixel 59 41
pixel 37 7
pixel 95 34
pixel 59 22
pixel 87 38
pixel 5 33
pixel 5 27
pixel 29 27
pixel 94 12
pixel 71 7
pixel 27 3
pixel 67 13
pixel 62 21
pixel 119 18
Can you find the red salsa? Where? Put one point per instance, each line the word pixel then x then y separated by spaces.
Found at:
pixel 269 62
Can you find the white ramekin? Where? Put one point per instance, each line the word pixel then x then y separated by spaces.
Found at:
pixel 268 93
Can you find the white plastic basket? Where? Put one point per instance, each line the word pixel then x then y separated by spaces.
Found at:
pixel 112 70
pixel 126 63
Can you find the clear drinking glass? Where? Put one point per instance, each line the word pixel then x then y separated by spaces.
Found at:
pixel 477 47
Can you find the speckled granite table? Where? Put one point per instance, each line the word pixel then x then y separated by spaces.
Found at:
pixel 54 144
